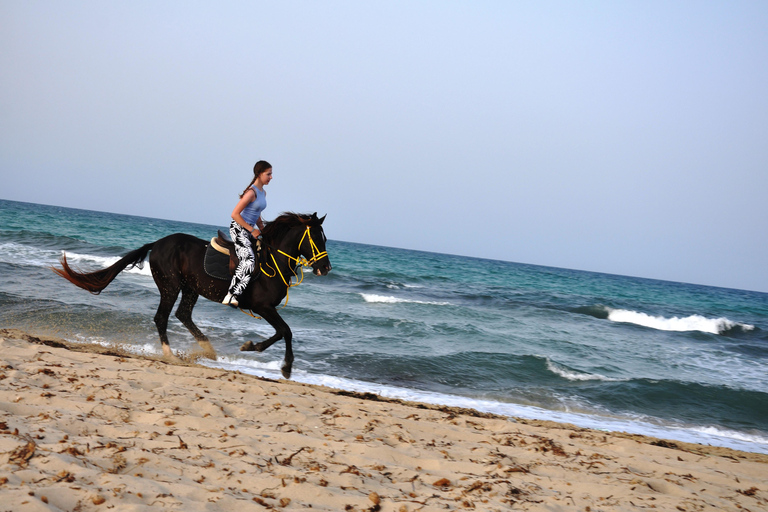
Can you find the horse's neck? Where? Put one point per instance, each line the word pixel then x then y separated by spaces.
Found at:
pixel 288 245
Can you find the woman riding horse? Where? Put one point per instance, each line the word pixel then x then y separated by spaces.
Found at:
pixel 247 223
pixel 177 265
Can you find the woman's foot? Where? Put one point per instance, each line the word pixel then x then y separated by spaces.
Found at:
pixel 230 300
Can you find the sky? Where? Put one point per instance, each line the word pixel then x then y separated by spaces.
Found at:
pixel 619 137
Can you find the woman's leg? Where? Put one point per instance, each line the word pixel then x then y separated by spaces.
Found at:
pixel 247 260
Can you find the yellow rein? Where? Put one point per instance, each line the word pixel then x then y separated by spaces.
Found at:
pixel 300 261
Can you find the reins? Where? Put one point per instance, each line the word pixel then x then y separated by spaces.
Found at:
pixel 299 262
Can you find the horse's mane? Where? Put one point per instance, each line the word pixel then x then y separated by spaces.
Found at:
pixel 278 228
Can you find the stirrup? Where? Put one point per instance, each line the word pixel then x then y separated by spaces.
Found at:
pixel 230 300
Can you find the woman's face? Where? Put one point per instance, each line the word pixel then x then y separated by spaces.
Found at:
pixel 266 176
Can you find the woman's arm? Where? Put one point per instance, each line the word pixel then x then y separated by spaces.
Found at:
pixel 247 199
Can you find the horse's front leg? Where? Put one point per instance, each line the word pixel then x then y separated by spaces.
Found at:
pixel 282 331
pixel 261 346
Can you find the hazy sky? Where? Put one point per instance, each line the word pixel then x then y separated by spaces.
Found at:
pixel 620 137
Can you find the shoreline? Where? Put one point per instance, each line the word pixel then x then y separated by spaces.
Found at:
pixel 721 437
pixel 89 427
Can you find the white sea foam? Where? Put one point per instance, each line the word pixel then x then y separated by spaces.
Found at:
pixel 270 369
pixel 386 299
pixel 26 255
pixel 689 323
pixel 146 349
pixel 89 262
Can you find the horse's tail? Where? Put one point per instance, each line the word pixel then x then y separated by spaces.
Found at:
pixel 96 281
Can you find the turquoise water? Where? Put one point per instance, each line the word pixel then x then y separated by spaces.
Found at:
pixel 660 358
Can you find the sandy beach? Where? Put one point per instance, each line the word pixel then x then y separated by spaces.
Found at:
pixel 92 428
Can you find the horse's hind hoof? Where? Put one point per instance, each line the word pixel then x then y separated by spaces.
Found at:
pixel 248 346
pixel 207 350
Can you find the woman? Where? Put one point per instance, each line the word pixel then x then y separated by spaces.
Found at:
pixel 247 223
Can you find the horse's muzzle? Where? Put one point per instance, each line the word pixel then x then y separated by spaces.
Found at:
pixel 322 270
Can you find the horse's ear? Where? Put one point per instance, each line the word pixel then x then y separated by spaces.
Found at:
pixel 322 219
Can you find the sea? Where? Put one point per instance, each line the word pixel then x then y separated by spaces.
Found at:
pixel 672 360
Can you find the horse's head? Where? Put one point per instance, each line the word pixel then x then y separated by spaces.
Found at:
pixel 312 245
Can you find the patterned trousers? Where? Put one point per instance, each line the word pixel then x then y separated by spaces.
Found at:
pixel 247 263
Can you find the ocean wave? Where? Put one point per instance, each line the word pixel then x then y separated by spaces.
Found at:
pixel 399 286
pixel 386 299
pixel 700 323
pixel 732 435
pixel 20 254
pixel 689 323
pixel 576 375
pixel 600 312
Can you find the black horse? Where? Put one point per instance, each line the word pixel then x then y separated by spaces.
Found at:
pixel 176 262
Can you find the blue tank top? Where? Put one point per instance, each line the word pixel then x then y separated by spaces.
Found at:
pixel 252 212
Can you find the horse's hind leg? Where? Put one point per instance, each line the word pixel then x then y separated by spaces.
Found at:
pixel 184 314
pixel 168 298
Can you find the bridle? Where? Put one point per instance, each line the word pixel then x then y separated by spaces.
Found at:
pixel 316 253
pixel 298 261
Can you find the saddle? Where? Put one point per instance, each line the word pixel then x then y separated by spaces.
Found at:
pixel 224 245
pixel 221 258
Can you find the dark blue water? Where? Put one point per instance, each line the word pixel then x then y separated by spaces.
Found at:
pixel 620 353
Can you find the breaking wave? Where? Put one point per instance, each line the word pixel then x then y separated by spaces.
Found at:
pixel 576 375
pixel 699 323
pixel 689 323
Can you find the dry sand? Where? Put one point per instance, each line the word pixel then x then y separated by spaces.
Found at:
pixel 87 428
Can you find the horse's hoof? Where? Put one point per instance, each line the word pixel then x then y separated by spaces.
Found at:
pixel 248 346
pixel 207 350
pixel 172 359
pixel 169 356
pixel 202 354
pixel 286 371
